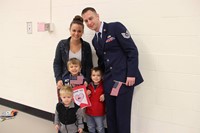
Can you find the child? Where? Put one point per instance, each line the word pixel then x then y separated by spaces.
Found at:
pixel 68 115
pixel 95 113
pixel 74 71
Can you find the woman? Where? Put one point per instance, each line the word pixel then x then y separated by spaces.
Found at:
pixel 73 47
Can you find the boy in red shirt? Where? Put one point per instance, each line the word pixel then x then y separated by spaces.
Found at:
pixel 95 114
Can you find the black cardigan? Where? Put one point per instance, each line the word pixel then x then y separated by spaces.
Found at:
pixel 62 56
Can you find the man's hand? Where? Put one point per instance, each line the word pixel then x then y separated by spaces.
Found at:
pixel 130 81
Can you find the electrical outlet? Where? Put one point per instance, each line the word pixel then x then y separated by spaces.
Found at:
pixel 29 27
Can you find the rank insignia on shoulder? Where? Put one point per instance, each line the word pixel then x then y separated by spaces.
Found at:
pixel 126 35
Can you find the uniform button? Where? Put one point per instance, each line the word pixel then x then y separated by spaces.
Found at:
pixel 108 60
pixel 104 52
pixel 110 68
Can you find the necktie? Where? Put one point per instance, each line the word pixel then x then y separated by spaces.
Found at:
pixel 99 35
pixel 99 38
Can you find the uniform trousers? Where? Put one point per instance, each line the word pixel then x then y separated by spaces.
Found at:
pixel 118 112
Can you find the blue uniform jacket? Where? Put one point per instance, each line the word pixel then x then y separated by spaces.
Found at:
pixel 117 55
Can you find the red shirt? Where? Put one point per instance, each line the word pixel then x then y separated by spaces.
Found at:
pixel 98 107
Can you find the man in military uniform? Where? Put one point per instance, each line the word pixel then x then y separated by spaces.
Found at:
pixel 118 57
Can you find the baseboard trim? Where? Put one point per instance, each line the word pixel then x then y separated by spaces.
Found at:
pixel 27 109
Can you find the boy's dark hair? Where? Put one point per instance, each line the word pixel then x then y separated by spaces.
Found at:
pixel 88 9
pixel 97 69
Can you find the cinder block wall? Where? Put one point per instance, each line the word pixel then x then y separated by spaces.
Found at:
pixel 167 34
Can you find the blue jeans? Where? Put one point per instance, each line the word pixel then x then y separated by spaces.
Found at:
pixel 95 123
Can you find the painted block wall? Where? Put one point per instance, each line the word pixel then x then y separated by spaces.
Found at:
pixel 167 34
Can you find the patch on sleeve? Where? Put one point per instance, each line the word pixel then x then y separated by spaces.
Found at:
pixel 126 35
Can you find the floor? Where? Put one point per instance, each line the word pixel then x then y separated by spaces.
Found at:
pixel 25 123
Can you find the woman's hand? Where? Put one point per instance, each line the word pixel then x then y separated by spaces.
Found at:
pixel 59 84
pixel 85 83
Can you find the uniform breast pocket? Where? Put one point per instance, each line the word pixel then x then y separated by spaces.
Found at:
pixel 111 43
pixel 110 39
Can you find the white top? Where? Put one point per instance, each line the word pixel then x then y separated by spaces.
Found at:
pixel 100 29
pixel 75 55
